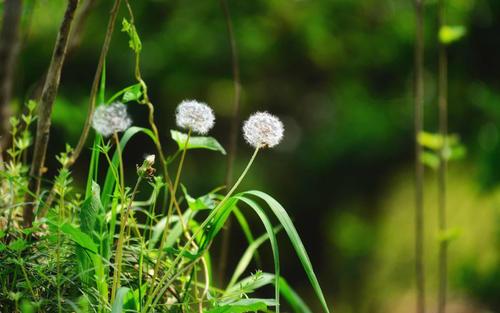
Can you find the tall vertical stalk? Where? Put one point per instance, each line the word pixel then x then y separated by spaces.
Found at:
pixel 92 99
pixel 419 167
pixel 119 245
pixel 443 130
pixel 173 191
pixel 233 134
pixel 95 83
pixel 9 50
pixel 48 97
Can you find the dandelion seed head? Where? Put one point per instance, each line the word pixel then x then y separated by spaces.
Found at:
pixel 263 130
pixel 112 118
pixel 194 115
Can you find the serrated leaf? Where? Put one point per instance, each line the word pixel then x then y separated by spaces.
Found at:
pixel 196 142
pixel 451 33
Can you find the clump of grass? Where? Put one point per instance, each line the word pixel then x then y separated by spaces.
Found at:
pixel 109 248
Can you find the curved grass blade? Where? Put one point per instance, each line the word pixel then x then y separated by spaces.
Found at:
pixel 285 220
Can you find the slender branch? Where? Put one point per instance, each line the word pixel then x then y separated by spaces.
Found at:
pixel 443 130
pixel 419 168
pixel 49 93
pixel 95 83
pixel 233 134
pixel 86 128
pixel 9 50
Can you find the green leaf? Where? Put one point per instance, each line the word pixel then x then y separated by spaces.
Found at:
pixel 430 140
pixel 456 152
pixel 18 245
pixel 274 242
pixel 242 306
pixel 249 284
pixel 196 142
pixel 449 234
pixel 200 203
pixel 133 93
pixel 79 237
pixel 285 220
pixel 134 40
pixel 122 300
pixel 451 33
pixel 430 159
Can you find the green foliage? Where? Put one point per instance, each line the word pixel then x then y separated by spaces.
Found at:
pixel 117 248
pixel 196 142
pixel 449 148
pixel 449 34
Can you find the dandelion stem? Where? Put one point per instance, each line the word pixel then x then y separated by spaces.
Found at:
pixel 165 277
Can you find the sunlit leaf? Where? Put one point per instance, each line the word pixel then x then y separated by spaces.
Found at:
pixel 196 142
pixel 241 306
pixel 451 33
pixel 430 159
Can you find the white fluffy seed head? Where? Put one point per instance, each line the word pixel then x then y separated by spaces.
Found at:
pixel 150 159
pixel 263 130
pixel 112 118
pixel 194 115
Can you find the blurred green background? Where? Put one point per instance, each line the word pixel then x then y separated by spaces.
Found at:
pixel 339 74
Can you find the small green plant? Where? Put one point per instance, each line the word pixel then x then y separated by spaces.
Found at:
pixel 111 247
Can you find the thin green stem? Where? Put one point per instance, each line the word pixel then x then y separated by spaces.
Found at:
pixel 120 160
pixel 58 253
pixel 119 245
pixel 200 229
pixel 173 192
